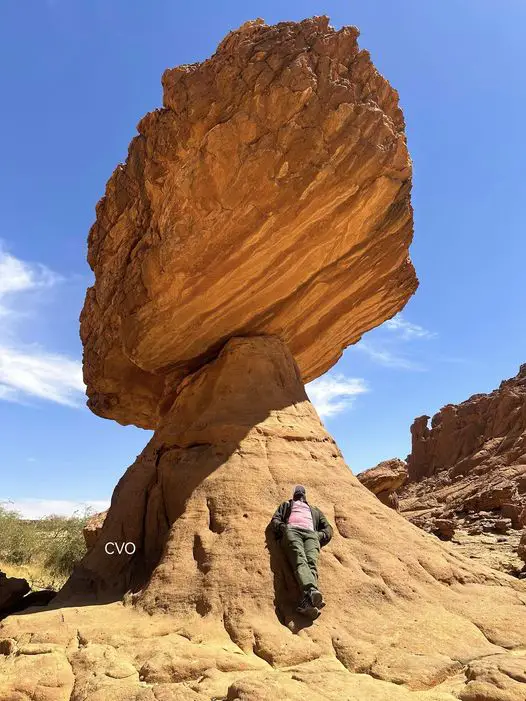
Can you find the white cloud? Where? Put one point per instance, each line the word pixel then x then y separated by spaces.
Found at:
pixel 18 277
pixel 37 508
pixel 35 373
pixel 385 357
pixel 28 371
pixel 406 331
pixel 332 394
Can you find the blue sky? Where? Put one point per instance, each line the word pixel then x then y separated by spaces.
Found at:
pixel 81 73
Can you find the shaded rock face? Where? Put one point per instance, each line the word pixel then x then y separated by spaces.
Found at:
pixel 12 590
pixel 470 465
pixel 384 479
pixel 16 595
pixel 521 550
pixel 269 195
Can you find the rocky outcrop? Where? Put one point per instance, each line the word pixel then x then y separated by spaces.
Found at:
pixel 384 479
pixel 92 529
pixel 260 224
pixel 218 594
pixel 269 195
pixel 16 595
pixel 12 590
pixel 470 465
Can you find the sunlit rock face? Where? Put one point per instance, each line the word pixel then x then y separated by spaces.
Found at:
pixel 470 463
pixel 269 195
pixel 209 600
pixel 260 224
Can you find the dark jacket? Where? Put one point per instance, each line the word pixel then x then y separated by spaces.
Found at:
pixel 320 523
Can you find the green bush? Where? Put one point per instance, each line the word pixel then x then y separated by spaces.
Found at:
pixel 53 544
pixel 18 539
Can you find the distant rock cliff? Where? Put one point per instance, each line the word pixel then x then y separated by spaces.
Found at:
pixel 470 464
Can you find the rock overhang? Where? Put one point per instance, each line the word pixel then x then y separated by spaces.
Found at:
pixel 270 195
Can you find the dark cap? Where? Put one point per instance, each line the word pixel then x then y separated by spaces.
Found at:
pixel 299 489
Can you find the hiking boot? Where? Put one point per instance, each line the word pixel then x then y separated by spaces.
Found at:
pixel 316 598
pixel 307 609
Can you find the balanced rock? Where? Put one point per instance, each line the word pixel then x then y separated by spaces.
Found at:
pixel 471 462
pixel 261 224
pixel 269 195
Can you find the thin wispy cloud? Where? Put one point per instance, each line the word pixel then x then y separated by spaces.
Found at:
pixel 394 344
pixel 407 331
pixel 34 373
pixel 29 371
pixel 332 394
pixel 388 358
pixel 38 508
pixel 18 277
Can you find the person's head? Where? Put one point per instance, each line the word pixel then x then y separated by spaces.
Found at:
pixel 299 493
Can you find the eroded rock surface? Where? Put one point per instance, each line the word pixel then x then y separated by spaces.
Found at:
pixel 269 195
pixel 405 617
pixel 92 529
pixel 470 465
pixel 384 480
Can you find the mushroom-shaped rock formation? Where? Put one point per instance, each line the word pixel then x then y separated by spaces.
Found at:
pixel 261 224
pixel 270 195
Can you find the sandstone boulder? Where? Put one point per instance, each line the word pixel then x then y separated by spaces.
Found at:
pixel 384 479
pixel 269 195
pixel 521 551
pixel 444 527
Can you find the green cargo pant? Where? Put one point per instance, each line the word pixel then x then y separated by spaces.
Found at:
pixel 302 548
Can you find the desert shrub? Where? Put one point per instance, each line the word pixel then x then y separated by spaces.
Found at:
pixel 18 538
pixel 46 549
pixel 65 542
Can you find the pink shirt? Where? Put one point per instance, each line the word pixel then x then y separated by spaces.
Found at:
pixel 301 515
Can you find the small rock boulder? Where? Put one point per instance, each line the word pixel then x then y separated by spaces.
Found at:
pixel 384 479
pixel 521 550
pixel 444 528
pixel 503 525
pixel 12 590
pixel 92 529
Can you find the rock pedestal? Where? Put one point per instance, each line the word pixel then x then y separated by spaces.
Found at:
pixel 197 503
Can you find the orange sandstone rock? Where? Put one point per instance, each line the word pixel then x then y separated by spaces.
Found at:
pixel 260 224
pixel 269 195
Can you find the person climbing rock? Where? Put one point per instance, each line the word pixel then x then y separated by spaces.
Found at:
pixel 303 530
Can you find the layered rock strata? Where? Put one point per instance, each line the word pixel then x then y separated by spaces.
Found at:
pixel 269 195
pixel 469 466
